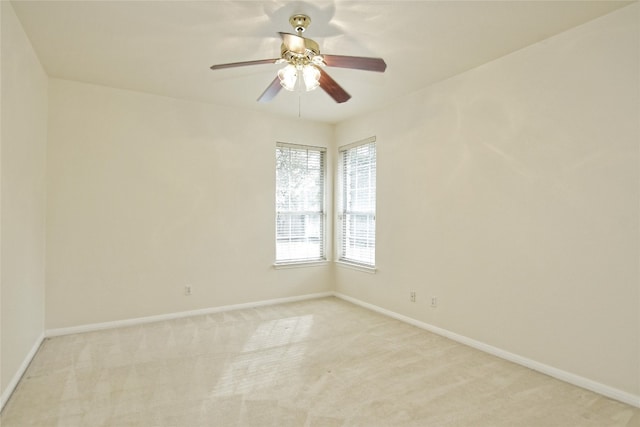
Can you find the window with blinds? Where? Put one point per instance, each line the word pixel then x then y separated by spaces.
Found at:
pixel 300 192
pixel 357 203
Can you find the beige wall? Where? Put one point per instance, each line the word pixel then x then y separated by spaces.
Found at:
pixel 22 198
pixel 511 192
pixel 148 194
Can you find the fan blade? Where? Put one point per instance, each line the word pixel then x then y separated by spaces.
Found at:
pixel 356 62
pixel 242 64
pixel 271 91
pixel 293 43
pixel 333 88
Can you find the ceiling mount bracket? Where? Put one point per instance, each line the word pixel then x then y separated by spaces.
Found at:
pixel 300 22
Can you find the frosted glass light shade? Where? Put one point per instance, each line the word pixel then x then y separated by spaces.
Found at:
pixel 288 77
pixel 311 77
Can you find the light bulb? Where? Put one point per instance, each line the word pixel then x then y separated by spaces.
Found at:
pixel 288 76
pixel 311 77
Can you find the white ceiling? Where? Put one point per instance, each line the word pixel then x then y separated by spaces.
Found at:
pixel 167 47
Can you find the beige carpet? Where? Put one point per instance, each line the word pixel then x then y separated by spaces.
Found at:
pixel 314 363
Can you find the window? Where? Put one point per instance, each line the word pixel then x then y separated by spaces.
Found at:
pixel 300 192
pixel 357 203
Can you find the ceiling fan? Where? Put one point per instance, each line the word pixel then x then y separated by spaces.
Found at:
pixel 304 65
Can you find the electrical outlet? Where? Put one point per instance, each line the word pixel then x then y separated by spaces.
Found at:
pixel 412 296
pixel 187 290
pixel 434 301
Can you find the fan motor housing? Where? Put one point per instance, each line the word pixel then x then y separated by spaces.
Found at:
pixel 311 49
pixel 300 22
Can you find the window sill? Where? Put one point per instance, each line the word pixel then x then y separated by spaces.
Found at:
pixel 286 265
pixel 358 267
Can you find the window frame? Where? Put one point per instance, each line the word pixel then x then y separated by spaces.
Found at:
pixel 323 259
pixel 340 209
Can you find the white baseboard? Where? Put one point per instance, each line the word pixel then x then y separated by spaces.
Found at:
pixel 605 390
pixel 150 319
pixel 6 394
pixel 560 374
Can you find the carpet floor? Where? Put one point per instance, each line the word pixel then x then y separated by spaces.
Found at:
pixel 321 362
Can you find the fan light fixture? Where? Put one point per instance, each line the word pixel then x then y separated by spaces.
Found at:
pixel 289 77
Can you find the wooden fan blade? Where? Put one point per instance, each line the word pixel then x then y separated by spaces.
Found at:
pixel 356 62
pixel 271 91
pixel 293 43
pixel 333 88
pixel 242 64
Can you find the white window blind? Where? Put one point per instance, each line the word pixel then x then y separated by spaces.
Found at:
pixel 300 216
pixel 357 203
